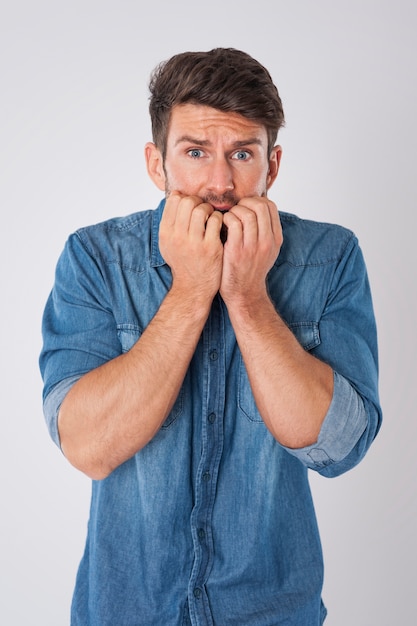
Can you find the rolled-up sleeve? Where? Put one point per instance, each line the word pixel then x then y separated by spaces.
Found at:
pixel 52 404
pixel 78 328
pixel 348 343
pixel 343 426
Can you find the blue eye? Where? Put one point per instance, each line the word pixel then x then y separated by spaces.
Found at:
pixel 241 155
pixel 195 153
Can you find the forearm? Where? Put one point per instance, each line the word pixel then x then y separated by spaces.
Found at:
pixel 292 389
pixel 116 409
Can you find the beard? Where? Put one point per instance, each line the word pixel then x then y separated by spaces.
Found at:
pixel 227 198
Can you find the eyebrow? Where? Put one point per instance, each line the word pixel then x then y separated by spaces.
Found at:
pixel 206 142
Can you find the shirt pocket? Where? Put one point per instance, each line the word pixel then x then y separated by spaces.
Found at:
pixel 307 334
pixel 128 335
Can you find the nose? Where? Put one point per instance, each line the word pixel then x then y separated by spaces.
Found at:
pixel 220 177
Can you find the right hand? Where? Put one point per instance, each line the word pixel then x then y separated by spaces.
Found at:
pixel 189 241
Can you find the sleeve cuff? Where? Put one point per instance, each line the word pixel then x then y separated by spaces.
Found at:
pixel 52 404
pixel 345 422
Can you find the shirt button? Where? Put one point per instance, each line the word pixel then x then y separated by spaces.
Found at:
pixel 197 593
pixel 212 418
pixel 213 355
pixel 201 533
pixel 206 476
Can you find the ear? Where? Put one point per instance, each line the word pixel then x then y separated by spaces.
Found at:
pixel 274 161
pixel 155 165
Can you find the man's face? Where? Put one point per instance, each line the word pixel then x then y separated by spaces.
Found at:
pixel 220 157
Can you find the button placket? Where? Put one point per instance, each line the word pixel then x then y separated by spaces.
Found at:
pixel 211 451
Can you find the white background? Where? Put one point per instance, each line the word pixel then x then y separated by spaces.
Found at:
pixel 73 123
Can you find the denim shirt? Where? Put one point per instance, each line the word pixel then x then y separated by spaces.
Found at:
pixel 212 522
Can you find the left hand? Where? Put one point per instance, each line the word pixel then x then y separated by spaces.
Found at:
pixel 253 243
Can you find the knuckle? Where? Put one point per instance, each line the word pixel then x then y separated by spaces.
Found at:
pixel 200 210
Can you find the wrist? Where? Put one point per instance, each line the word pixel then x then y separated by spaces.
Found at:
pixel 247 303
pixel 193 303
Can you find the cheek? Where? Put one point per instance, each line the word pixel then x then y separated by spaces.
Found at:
pixel 253 183
pixel 183 180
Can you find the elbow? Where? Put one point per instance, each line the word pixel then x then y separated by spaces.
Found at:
pixel 84 456
pixel 86 462
pixel 82 450
pixel 295 432
pixel 297 440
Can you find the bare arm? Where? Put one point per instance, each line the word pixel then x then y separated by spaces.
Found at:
pixel 292 389
pixel 114 410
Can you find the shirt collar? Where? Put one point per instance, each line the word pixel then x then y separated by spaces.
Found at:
pixel 156 256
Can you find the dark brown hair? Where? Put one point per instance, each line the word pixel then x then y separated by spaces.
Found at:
pixel 224 79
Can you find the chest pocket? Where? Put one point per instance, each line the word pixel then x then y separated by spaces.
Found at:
pixel 307 334
pixel 128 335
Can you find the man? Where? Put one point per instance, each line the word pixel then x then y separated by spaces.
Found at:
pixel 198 359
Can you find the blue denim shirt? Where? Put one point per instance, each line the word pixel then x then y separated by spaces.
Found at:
pixel 211 523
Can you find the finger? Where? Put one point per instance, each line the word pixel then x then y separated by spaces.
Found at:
pixel 234 227
pixel 263 211
pixel 213 226
pixel 268 217
pixel 248 223
pixel 273 224
pixel 170 209
pixel 198 219
pixel 186 206
pixel 275 221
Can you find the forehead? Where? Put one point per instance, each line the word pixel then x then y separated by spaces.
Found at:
pixel 205 123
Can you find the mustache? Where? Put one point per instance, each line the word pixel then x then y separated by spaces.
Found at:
pixel 225 198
